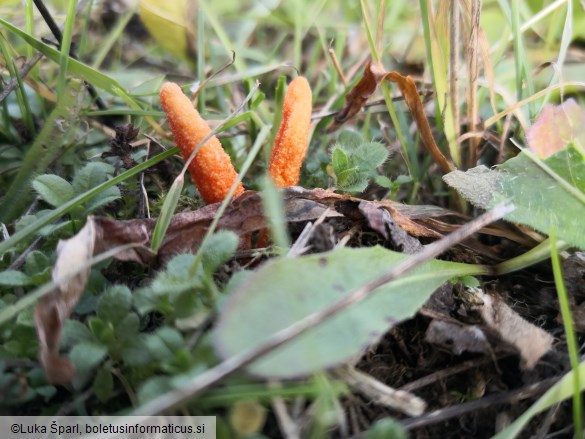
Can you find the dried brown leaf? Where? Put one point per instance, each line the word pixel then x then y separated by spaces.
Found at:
pixel 408 89
pixel 530 341
pixel 458 338
pixel 56 307
pixel 356 98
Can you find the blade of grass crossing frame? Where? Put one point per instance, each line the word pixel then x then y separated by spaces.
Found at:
pixel 437 57
pixel 262 135
pixel 201 57
pixel 522 67
pixel 564 47
pixel 400 127
pixel 74 66
pixel 66 46
pixel 113 37
pixel 167 212
pixel 273 207
pixel 21 97
pixel 572 345
pixel 83 37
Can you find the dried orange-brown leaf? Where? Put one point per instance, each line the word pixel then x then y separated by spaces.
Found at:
pixel 408 90
pixel 374 73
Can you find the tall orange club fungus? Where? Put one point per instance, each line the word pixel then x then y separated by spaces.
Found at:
pixel 211 169
pixel 291 141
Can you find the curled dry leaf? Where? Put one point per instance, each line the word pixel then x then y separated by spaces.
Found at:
pixel 530 341
pixel 498 323
pixel 457 338
pixel 374 73
pixel 408 89
pixel 55 307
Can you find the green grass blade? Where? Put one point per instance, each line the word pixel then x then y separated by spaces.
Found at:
pixel 113 37
pixel 406 143
pixel 21 97
pixel 167 212
pixel 74 66
pixel 572 345
pixel 437 57
pixel 275 215
pixel 66 47
pixel 46 147
pixel 262 135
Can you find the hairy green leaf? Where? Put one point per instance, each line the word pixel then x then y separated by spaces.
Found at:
pixel 545 193
pixel 285 290
pixel 53 189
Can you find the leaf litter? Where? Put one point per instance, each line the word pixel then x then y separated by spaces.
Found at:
pixel 391 225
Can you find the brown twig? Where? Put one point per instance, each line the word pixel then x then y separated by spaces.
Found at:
pixel 336 64
pixel 23 72
pixel 499 398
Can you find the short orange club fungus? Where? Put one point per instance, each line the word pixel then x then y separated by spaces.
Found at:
pixel 211 169
pixel 291 141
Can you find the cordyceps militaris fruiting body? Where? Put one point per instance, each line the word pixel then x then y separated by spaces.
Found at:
pixel 291 141
pixel 211 169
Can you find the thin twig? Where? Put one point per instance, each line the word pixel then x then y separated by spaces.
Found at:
pixel 237 362
pixel 499 398
pixel 23 72
pixel 336 64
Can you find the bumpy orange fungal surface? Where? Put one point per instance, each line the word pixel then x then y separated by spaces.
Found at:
pixel 211 169
pixel 291 141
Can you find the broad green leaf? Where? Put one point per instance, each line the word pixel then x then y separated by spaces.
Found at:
pixel 53 189
pixel 163 343
pixel 285 290
pixel 14 278
pixel 153 387
pixel 371 155
pixel 115 303
pixel 168 22
pixel 91 175
pixel 545 193
pixel 86 356
pixel 74 332
pixel 386 428
pixel 103 384
pixel 339 160
pixel 349 139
